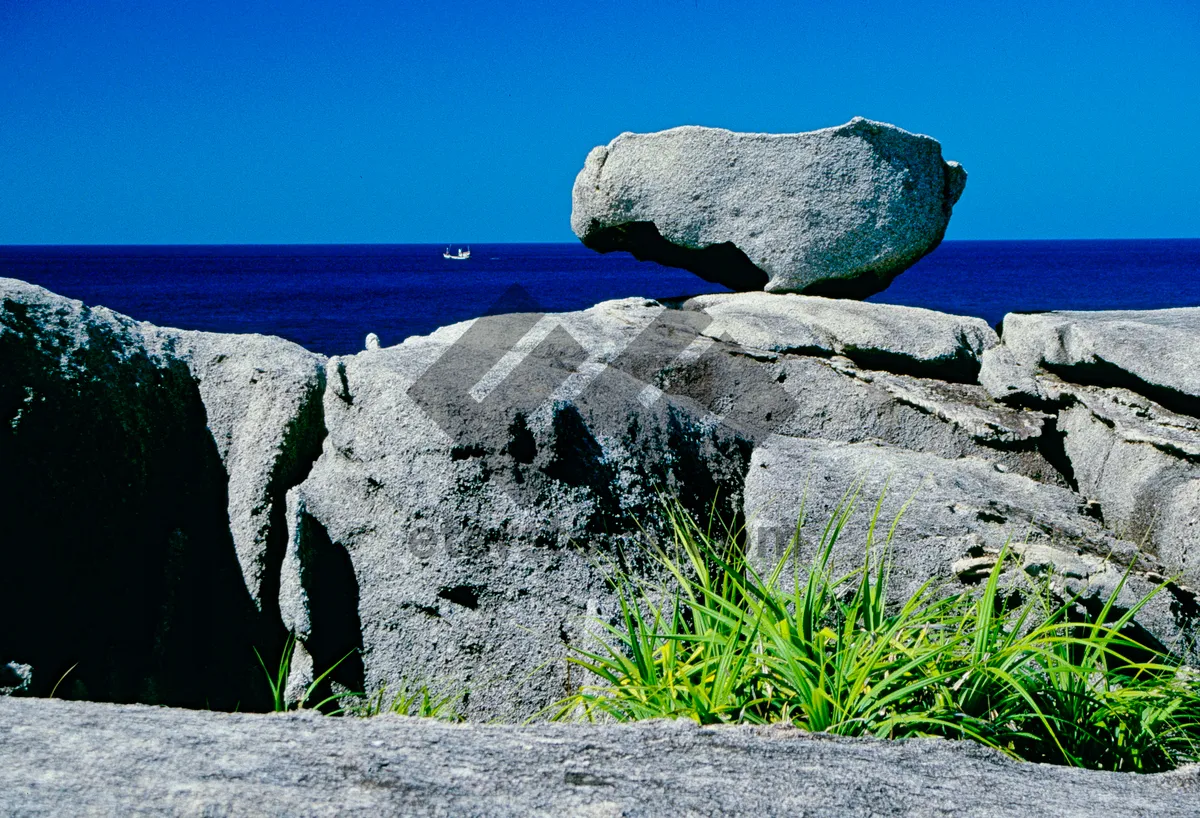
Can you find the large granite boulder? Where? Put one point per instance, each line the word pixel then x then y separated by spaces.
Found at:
pixel 142 468
pixel 455 526
pixel 837 212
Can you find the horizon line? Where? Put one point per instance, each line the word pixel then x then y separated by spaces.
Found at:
pixel 490 243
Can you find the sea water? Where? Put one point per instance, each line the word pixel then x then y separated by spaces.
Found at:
pixel 328 297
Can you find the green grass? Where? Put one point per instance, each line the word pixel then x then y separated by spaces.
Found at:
pixel 410 699
pixel 278 680
pixel 406 700
pixel 718 642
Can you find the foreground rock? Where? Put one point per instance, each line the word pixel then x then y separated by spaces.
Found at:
pixel 106 759
pixel 455 525
pixel 839 212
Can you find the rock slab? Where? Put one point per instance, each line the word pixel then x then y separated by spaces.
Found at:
pixel 907 340
pixel 838 212
pixel 1125 386
pixel 1153 352
pixel 95 759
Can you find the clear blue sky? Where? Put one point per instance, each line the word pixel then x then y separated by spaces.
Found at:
pixel 222 122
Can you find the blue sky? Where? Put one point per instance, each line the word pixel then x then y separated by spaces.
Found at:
pixel 217 122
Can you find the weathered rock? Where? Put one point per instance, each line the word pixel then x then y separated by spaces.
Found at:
pixel 956 505
pixel 113 497
pixel 1127 391
pixel 262 399
pixel 474 486
pixel 838 212
pixel 1008 380
pixel 1142 464
pixel 948 514
pixel 130 452
pixel 904 340
pixel 460 538
pixel 1152 352
pixel 835 400
pixel 111 760
pixel 457 522
pixel 15 679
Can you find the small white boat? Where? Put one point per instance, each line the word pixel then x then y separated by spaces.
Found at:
pixel 459 256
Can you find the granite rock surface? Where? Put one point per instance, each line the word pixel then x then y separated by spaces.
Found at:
pixel 898 339
pixel 1152 352
pixel 130 760
pixel 142 470
pixel 1125 387
pixel 447 510
pixel 469 500
pixel 837 212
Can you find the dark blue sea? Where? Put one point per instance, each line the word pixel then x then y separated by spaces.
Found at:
pixel 328 297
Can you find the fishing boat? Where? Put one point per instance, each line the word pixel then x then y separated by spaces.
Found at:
pixel 459 256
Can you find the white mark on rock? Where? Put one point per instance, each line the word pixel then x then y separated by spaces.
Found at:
pixel 649 395
pixel 513 358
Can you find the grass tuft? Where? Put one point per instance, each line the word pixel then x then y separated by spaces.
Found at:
pixel 410 700
pixel 718 642
pixel 406 700
pixel 278 681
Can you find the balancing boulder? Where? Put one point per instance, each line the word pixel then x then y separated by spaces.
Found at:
pixel 837 212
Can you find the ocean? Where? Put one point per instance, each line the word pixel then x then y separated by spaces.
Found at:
pixel 328 297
